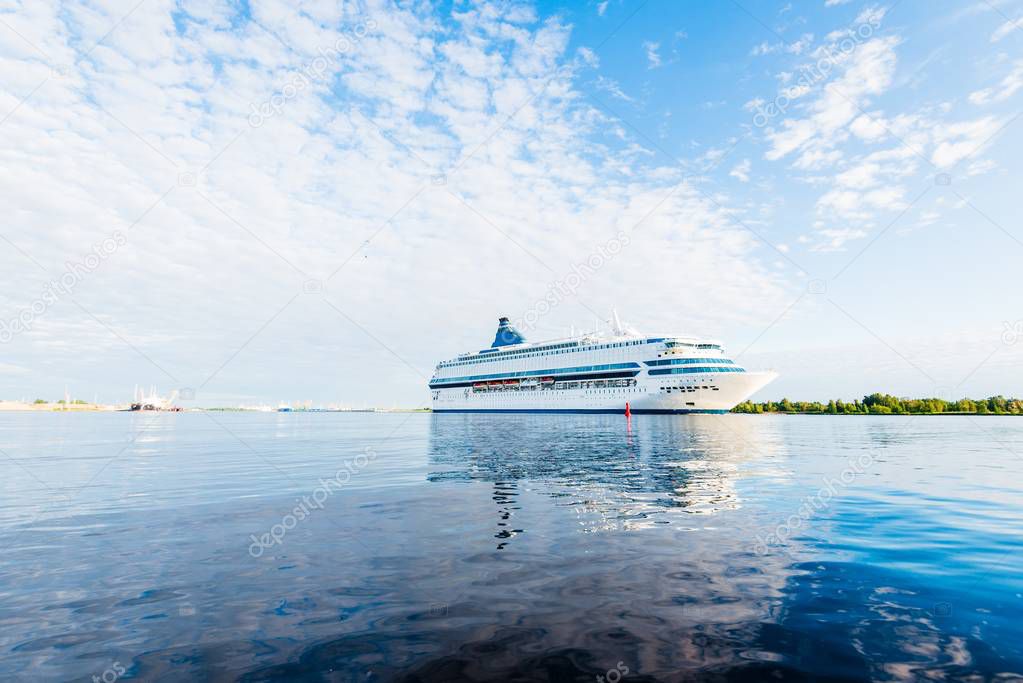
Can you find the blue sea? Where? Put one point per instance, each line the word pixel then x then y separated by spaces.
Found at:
pixel 418 547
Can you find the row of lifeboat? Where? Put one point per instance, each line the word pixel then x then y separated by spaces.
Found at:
pixel 527 382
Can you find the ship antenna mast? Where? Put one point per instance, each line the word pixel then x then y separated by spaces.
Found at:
pixel 616 324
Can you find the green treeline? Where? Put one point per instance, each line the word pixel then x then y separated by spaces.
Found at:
pixel 884 404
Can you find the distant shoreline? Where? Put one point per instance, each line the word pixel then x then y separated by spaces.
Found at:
pixel 886 404
pixel 952 414
pixel 23 407
pixel 872 404
pixel 385 411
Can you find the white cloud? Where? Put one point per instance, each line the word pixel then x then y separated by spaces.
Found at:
pixel 765 48
pixel 754 104
pixel 1005 29
pixel 365 167
pixel 870 16
pixel 860 177
pixel 814 159
pixel 957 141
pixel 653 57
pixel 797 47
pixel 741 171
pixel 981 167
pixel 862 158
pixel 797 91
pixel 602 7
pixel 834 3
pixel 833 239
pixel 611 87
pixel 870 128
pixel 589 57
pixel 927 218
pixel 866 72
pixel 1008 87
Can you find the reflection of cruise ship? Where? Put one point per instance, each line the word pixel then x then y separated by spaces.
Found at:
pixel 594 373
pixel 615 475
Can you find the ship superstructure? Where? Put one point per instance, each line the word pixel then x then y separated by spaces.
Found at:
pixel 594 373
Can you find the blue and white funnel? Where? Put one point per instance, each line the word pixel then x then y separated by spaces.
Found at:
pixel 506 334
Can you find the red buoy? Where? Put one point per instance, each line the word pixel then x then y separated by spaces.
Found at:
pixel 628 413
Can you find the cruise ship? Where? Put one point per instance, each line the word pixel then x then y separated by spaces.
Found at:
pixel 594 373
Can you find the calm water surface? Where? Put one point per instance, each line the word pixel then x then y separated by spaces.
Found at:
pixel 415 547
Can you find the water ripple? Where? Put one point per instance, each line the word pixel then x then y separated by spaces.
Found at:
pixel 503 548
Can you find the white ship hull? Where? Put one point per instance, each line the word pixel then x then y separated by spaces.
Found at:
pixel 711 393
pixel 598 374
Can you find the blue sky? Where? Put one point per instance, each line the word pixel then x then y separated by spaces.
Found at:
pixel 321 200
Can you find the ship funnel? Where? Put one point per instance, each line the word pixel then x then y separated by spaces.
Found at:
pixel 506 334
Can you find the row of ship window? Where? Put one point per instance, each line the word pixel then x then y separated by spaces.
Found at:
pixel 690 389
pixel 581 384
pixel 691 361
pixel 686 371
pixel 488 355
pixel 558 371
pixel 599 368
pixel 674 344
